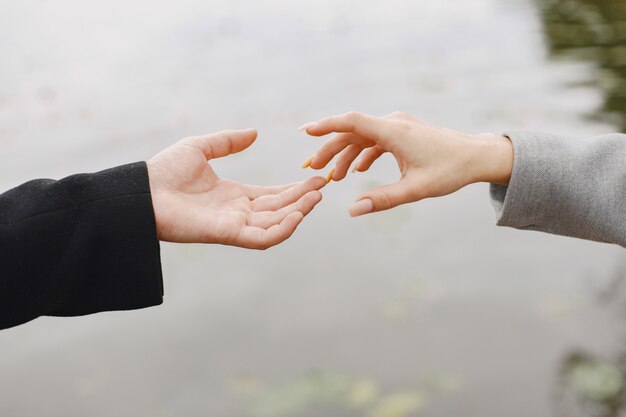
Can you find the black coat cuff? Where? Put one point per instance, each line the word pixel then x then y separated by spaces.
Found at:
pixel 80 245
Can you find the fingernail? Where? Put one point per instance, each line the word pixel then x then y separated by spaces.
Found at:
pixel 307 163
pixel 307 126
pixel 353 170
pixel 361 207
pixel 330 175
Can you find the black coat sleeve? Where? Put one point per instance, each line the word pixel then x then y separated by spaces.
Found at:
pixel 80 245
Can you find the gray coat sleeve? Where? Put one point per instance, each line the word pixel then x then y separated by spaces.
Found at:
pixel 566 186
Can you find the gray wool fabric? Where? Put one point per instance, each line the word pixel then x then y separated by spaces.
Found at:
pixel 566 186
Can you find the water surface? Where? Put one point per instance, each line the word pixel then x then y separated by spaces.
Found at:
pixel 425 310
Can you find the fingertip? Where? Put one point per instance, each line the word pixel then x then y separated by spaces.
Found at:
pixel 311 193
pixel 316 129
pixel 291 223
pixel 361 207
pixel 318 196
pixel 241 139
pixel 305 127
pixel 330 175
pixel 285 229
pixel 254 134
pixel 307 163
pixel 316 164
pixel 318 181
pixel 340 175
pixel 250 132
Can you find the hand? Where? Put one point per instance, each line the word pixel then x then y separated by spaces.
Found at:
pixel 192 204
pixel 433 161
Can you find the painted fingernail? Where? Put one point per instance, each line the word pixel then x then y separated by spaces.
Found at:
pixel 329 177
pixel 307 126
pixel 307 163
pixel 361 207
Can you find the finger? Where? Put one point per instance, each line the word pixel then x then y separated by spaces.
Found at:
pixel 274 202
pixel 224 143
pixel 334 146
pixel 384 198
pixel 267 219
pixel 346 158
pixel 257 238
pixel 368 157
pixel 255 191
pixel 363 125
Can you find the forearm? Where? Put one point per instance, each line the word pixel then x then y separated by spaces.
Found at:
pixel 77 246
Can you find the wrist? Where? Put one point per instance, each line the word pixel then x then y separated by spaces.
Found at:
pixel 155 195
pixel 492 158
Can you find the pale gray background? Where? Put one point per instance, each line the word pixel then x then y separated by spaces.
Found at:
pixel 433 287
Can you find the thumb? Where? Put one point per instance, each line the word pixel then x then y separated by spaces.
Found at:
pixel 384 198
pixel 227 142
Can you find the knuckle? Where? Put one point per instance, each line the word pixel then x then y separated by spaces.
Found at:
pixel 227 138
pixel 385 200
pixel 402 115
pixel 424 190
pixel 404 126
pixel 190 140
pixel 353 116
pixel 229 145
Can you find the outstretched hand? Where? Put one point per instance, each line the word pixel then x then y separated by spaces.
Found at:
pixel 433 161
pixel 193 205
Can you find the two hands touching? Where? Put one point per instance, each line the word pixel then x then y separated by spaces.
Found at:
pixel 193 204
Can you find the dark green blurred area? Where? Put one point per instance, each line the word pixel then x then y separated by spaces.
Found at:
pixel 590 384
pixel 594 32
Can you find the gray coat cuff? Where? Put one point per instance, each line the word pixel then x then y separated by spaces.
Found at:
pixel 566 186
pixel 527 196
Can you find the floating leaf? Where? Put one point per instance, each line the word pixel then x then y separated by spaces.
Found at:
pixel 595 380
pixel 398 405
pixel 244 384
pixel 443 383
pixel 318 388
pixel 558 307
pixel 362 393
pixel 395 310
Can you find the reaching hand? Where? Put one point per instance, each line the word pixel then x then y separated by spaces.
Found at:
pixel 433 161
pixel 192 204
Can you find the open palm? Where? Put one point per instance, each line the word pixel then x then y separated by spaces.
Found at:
pixel 193 204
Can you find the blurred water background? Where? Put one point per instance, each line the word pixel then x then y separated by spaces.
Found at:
pixel 428 309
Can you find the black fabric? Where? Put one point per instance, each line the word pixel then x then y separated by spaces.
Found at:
pixel 80 245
